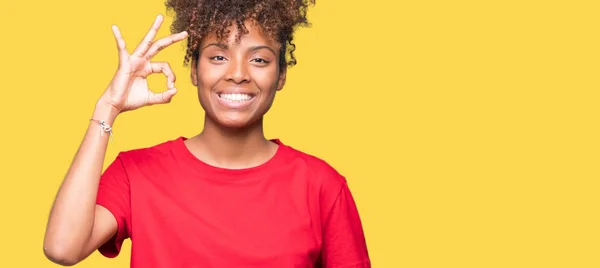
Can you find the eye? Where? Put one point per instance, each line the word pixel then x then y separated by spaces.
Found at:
pixel 217 58
pixel 259 60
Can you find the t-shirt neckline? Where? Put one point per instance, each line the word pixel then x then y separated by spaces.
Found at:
pixel 184 154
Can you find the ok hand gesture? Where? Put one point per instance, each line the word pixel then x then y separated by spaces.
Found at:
pixel 128 89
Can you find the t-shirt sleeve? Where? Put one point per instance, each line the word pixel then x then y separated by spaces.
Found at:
pixel 114 195
pixel 344 244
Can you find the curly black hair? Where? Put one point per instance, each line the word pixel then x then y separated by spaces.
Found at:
pixel 277 18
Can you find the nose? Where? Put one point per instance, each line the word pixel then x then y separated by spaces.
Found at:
pixel 238 72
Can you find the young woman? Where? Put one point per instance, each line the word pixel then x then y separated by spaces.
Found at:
pixel 227 197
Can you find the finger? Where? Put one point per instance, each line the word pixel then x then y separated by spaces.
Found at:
pixel 165 68
pixel 163 43
pixel 123 54
pixel 163 97
pixel 147 41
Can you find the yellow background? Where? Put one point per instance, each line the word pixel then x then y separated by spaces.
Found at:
pixel 468 130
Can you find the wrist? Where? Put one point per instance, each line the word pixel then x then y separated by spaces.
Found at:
pixel 105 112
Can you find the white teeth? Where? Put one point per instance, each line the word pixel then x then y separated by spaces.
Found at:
pixel 235 97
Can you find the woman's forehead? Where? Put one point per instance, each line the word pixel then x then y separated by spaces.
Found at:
pixel 254 35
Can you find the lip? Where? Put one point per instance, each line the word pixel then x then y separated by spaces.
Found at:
pixel 234 105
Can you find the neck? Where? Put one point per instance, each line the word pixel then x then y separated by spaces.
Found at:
pixel 232 148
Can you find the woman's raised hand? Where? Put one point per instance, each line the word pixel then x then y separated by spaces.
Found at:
pixel 128 89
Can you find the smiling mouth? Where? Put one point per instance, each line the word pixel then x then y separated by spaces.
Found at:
pixel 235 97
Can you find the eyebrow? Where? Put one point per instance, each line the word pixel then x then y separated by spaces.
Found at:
pixel 221 45
pixel 254 48
pixel 263 47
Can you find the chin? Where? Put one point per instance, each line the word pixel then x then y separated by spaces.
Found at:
pixel 235 121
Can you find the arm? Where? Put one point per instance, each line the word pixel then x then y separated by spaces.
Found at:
pixel 344 244
pixel 77 226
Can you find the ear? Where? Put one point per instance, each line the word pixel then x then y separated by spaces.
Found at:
pixel 194 72
pixel 282 77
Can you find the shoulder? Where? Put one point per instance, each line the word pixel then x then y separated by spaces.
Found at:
pixel 318 169
pixel 148 155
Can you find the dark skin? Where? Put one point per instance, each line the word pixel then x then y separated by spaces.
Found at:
pixel 233 137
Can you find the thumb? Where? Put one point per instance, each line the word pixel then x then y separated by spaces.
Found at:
pixel 163 97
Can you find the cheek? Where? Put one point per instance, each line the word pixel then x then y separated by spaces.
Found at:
pixel 208 76
pixel 266 78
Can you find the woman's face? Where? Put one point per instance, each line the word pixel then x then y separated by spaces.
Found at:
pixel 237 81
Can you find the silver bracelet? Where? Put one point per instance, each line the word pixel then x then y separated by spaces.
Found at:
pixel 104 127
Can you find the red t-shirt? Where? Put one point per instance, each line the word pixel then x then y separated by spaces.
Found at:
pixel 292 211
